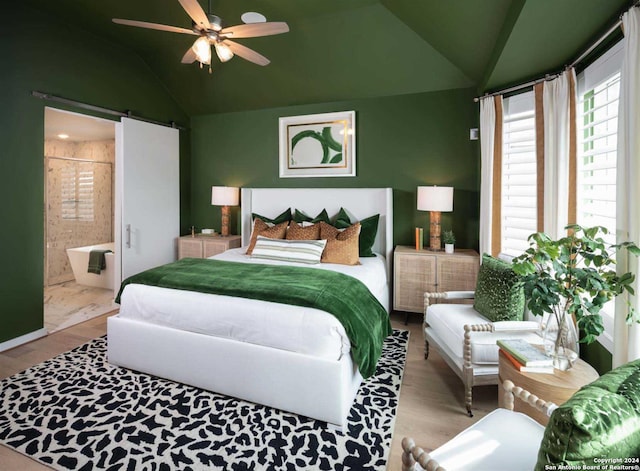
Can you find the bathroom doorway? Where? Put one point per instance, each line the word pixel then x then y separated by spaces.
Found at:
pixel 79 161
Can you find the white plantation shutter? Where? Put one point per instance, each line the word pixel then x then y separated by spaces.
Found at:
pixel 519 206
pixel 597 155
pixel 77 193
pixel 597 129
pixel 85 195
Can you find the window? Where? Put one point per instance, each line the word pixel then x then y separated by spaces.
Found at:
pixel 597 156
pixel 598 92
pixel 77 193
pixel 519 205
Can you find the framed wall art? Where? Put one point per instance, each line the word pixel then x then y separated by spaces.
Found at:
pixel 318 145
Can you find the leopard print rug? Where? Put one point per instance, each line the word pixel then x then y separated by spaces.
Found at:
pixel 78 412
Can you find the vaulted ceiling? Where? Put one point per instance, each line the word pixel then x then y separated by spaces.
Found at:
pixel 350 49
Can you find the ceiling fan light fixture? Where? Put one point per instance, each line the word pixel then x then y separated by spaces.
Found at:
pixel 210 32
pixel 223 52
pixel 202 49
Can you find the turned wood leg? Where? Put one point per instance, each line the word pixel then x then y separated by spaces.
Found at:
pixel 426 349
pixel 467 369
pixel 468 399
pixel 468 388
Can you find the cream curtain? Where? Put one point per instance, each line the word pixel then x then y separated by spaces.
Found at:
pixel 487 145
pixel 557 98
pixel 626 338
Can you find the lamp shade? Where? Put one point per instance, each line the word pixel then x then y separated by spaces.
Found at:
pixel 435 198
pixel 223 52
pixel 202 49
pixel 225 196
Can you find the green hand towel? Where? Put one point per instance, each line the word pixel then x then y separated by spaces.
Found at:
pixel 97 261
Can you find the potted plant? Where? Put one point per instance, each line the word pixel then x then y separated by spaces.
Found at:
pixel 449 239
pixel 571 279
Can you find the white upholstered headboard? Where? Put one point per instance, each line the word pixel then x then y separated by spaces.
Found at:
pixel 358 202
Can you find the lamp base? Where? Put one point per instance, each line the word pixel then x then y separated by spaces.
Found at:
pixel 225 222
pixel 435 244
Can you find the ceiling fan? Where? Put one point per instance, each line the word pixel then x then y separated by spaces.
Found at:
pixel 210 32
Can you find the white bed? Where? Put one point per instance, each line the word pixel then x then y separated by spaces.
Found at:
pixel 309 375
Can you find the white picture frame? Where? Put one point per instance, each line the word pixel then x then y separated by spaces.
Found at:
pixel 318 145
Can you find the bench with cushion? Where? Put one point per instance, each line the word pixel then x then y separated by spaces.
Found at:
pixel 465 334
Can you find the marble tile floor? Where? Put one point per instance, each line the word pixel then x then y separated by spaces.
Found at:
pixel 69 303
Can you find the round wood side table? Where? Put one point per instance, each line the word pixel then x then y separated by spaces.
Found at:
pixel 556 387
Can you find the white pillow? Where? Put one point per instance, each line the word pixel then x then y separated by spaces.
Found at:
pixel 301 251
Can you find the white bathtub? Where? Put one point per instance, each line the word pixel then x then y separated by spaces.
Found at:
pixel 79 259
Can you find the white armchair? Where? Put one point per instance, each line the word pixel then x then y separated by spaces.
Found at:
pixel 502 440
pixel 466 340
pixel 600 420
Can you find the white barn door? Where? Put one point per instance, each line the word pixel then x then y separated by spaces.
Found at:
pixel 147 210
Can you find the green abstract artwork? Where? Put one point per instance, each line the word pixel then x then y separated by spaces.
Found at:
pixel 317 145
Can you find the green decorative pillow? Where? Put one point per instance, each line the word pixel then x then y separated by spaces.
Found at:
pixel 300 217
pixel 342 220
pixel 499 292
pixel 601 420
pixel 284 217
pixel 368 231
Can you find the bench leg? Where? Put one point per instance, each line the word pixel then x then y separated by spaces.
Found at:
pixel 468 389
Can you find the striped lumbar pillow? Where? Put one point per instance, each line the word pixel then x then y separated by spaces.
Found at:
pixel 301 251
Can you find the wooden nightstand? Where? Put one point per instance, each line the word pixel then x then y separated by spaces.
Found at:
pixel 205 246
pixel 556 387
pixel 418 271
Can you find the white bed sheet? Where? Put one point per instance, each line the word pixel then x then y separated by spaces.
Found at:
pixel 292 328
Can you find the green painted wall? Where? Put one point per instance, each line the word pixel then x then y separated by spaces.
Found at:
pixel 65 61
pixel 597 356
pixel 402 142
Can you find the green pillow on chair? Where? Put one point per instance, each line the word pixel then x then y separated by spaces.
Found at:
pixel 601 420
pixel 499 293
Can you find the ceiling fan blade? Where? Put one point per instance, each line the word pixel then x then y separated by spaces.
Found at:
pixel 197 14
pixel 189 57
pixel 144 24
pixel 246 53
pixel 254 30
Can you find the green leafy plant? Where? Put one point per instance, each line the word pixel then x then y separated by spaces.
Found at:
pixel 448 237
pixel 575 276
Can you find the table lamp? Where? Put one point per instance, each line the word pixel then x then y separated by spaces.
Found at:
pixel 225 196
pixel 435 199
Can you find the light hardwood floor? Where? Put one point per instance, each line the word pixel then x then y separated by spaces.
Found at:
pixel 431 400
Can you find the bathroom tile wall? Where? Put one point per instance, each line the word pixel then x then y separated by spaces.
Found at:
pixel 79 205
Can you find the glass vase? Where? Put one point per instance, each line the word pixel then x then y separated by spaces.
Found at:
pixel 561 340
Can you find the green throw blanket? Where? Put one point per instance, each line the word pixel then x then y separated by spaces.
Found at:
pixel 364 319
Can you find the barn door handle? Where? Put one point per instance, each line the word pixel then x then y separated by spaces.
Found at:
pixel 128 230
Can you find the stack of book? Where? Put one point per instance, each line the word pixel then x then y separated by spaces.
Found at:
pixel 525 357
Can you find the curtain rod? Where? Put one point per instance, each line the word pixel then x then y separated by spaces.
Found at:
pixel 99 109
pixel 517 87
pixel 596 44
pixel 576 61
